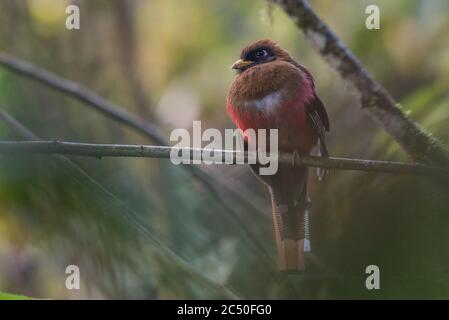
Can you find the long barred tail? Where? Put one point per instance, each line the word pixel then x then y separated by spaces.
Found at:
pixel 291 246
pixel 288 189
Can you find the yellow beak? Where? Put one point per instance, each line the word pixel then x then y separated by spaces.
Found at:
pixel 240 64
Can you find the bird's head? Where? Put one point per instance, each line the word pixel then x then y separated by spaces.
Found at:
pixel 259 52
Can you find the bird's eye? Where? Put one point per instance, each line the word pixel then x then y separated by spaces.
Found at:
pixel 261 53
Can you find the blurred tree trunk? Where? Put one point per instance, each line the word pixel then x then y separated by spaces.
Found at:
pixel 125 24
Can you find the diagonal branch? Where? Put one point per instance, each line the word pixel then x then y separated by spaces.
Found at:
pixel 76 91
pixel 164 152
pixel 373 98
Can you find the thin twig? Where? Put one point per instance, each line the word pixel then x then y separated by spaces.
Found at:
pixel 164 152
pixel 372 97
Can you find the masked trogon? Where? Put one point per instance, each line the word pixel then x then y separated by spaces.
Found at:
pixel 273 91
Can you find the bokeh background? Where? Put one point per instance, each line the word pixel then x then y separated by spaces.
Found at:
pixel 144 228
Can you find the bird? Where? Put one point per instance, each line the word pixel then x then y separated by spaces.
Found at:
pixel 272 91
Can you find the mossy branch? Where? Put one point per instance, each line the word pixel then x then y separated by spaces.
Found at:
pixel 373 98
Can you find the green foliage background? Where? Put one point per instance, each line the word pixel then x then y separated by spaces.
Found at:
pixel 142 228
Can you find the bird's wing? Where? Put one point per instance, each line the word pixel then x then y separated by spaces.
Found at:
pixel 318 117
pixel 316 113
pixel 315 107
